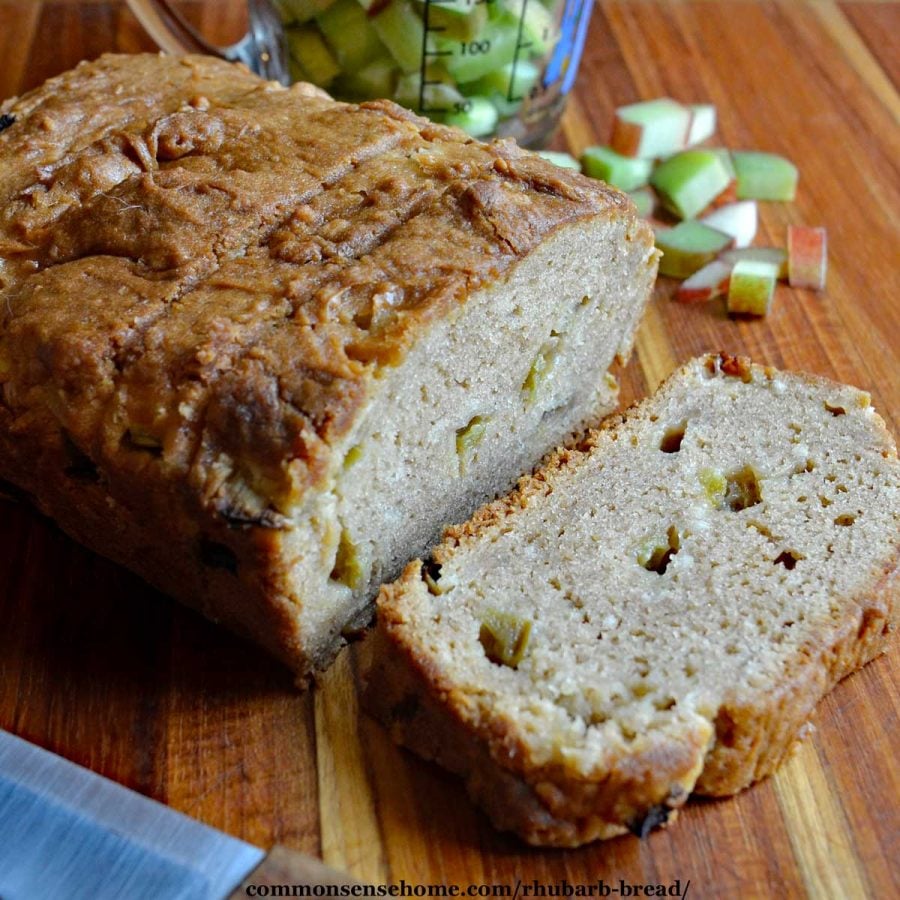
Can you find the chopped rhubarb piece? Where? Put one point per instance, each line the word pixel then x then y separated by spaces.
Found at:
pixel 703 123
pixel 705 284
pixel 751 288
pixel 724 155
pixel 561 159
pixel 728 194
pixel 627 173
pixel 764 176
pixel 645 201
pixel 737 219
pixel 478 119
pixel 773 255
pixel 651 129
pixel 688 247
pixel 688 181
pixel 807 257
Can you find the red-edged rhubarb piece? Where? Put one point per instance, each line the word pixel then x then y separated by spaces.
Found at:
pixel 688 181
pixel 705 284
pixel 775 256
pixel 728 194
pixel 703 123
pixel 688 247
pixel 651 129
pixel 751 288
pixel 737 219
pixel 807 257
pixel 764 176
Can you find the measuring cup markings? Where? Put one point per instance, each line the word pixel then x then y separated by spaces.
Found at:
pixel 519 47
pixel 479 45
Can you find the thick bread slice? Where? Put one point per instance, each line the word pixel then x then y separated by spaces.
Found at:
pixel 653 613
pixel 262 347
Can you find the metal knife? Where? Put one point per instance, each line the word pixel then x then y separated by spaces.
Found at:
pixel 67 833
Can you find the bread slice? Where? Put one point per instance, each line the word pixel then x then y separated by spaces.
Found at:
pixel 261 346
pixel 655 612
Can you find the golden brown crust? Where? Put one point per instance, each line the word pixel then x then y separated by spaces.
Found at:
pixel 166 254
pixel 423 709
pixel 201 274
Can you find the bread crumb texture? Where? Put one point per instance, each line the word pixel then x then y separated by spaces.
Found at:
pixel 657 611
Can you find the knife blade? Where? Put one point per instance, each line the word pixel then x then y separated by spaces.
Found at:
pixel 67 833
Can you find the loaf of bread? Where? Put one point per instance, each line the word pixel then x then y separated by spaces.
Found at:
pixel 654 613
pixel 261 346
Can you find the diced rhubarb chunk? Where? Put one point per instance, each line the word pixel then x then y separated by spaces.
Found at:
pixel 688 181
pixel 627 173
pixel 561 159
pixel 807 257
pixel 728 194
pixel 737 219
pixel 688 247
pixel 703 123
pixel 751 288
pixel 724 155
pixel 651 129
pixel 478 119
pixel 705 284
pixel 764 176
pixel 775 256
pixel 645 201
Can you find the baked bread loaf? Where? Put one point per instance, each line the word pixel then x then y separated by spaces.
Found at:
pixel 656 611
pixel 261 346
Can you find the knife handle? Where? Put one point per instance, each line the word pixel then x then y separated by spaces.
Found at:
pixel 283 866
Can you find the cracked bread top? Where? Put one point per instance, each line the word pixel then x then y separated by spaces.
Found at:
pixel 209 268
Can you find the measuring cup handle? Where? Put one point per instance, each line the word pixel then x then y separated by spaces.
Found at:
pixel 262 48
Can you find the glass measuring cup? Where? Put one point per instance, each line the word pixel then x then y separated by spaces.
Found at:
pixel 493 67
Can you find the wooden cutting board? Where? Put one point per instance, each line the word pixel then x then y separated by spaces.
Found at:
pixel 96 666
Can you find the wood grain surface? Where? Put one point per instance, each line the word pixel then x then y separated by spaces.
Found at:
pixel 98 667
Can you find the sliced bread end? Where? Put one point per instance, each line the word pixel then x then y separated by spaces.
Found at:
pixel 584 682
